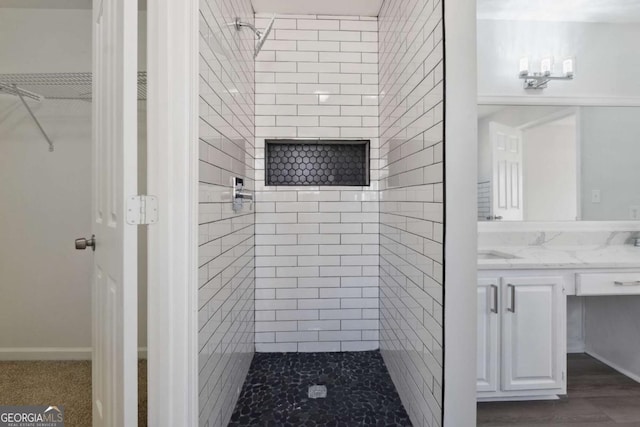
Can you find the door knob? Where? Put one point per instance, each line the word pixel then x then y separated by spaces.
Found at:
pixel 82 243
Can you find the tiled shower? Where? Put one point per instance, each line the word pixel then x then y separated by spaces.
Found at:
pixel 322 268
pixel 317 246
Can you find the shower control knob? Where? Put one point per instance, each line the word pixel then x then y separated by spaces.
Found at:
pixel 82 243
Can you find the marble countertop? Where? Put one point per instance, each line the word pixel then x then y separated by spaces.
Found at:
pixel 559 257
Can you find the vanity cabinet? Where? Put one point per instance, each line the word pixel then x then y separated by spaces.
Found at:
pixel 610 283
pixel 521 337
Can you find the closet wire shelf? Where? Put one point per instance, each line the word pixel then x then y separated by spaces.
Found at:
pixel 55 86
pixel 62 85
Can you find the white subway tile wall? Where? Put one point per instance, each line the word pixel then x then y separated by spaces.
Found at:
pixel 411 203
pixel 226 239
pixel 317 247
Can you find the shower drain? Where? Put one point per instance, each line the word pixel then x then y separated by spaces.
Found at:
pixel 317 392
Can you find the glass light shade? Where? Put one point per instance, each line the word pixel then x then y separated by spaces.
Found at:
pixel 524 66
pixel 567 67
pixel 545 66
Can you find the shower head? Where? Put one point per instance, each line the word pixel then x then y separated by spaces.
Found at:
pixel 262 36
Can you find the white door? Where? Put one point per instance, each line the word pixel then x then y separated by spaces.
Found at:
pixel 506 146
pixel 114 297
pixel 488 330
pixel 532 333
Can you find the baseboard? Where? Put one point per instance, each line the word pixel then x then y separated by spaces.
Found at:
pixel 53 353
pixel 45 353
pixel 518 398
pixel 623 371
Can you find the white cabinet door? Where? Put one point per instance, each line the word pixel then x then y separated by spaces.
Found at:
pixel 488 331
pixel 532 345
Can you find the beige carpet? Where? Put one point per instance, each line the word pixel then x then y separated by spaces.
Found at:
pixel 64 383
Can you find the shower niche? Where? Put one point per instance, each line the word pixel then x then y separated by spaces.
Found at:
pixel 290 162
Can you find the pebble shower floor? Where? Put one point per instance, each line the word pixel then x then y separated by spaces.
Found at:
pixel 359 391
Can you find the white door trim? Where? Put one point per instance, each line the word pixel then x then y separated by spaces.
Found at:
pixel 461 165
pixel 173 242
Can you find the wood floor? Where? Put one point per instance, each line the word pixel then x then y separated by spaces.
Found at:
pixel 597 396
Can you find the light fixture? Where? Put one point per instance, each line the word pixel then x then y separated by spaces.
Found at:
pixel 539 80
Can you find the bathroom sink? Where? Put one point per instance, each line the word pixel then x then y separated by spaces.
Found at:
pixel 489 254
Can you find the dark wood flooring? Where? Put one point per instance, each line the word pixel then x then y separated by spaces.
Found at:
pixel 597 396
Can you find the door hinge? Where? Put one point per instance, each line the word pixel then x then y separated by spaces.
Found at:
pixel 142 210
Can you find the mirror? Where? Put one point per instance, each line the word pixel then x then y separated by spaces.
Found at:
pixel 558 163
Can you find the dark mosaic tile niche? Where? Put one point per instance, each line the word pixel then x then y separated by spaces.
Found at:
pixel 317 162
pixel 359 391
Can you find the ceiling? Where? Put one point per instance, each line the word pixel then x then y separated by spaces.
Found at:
pixel 55 4
pixel 319 7
pixel 615 11
pixel 302 7
pixel 47 4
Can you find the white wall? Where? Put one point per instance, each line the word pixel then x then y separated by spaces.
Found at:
pixel 46 200
pixel 226 274
pixel 609 152
pixel 45 309
pixel 317 247
pixel 412 203
pixel 550 171
pixel 606 57
pixel 575 324
pixel 45 40
pixel 612 328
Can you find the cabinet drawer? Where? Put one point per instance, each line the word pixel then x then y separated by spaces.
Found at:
pixel 608 284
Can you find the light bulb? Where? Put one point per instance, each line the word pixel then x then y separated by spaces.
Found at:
pixel 545 66
pixel 524 66
pixel 567 67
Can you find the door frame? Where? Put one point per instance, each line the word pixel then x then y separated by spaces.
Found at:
pixel 173 165
pixel 172 105
pixel 460 257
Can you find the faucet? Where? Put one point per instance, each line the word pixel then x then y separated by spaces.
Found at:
pixel 636 241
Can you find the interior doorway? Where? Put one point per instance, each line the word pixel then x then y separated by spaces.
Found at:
pixel 46 188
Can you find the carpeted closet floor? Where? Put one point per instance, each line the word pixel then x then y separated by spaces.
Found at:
pixel 62 383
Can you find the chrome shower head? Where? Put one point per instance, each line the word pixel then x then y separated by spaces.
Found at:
pixel 262 36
